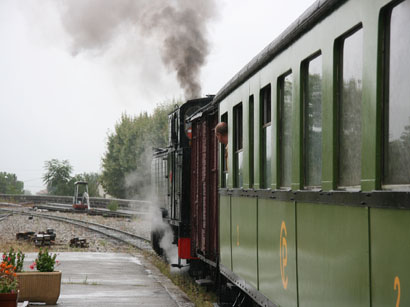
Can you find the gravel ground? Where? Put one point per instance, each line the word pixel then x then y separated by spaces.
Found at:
pixel 65 232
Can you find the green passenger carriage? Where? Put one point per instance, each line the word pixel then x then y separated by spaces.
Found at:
pixel 314 204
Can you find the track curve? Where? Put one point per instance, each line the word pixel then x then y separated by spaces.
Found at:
pixel 123 236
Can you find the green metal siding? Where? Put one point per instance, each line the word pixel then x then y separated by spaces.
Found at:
pixel 328 245
pixel 225 231
pixel 244 239
pixel 333 255
pixel 390 260
pixel 277 251
pixel 321 38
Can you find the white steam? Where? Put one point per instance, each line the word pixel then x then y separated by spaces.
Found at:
pixel 140 182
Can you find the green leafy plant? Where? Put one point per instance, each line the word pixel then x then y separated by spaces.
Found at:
pixel 113 205
pixel 14 258
pixel 8 278
pixel 45 261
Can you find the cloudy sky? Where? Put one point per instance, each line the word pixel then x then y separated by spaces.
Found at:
pixel 69 69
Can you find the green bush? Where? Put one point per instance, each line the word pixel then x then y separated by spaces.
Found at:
pixel 113 205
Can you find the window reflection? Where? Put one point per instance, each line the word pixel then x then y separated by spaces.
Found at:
pixel 238 145
pixel 251 144
pixel 397 127
pixel 350 130
pixel 285 122
pixel 240 169
pixel 224 157
pixel 313 123
pixel 266 137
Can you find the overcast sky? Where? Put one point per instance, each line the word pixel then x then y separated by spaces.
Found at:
pixel 59 103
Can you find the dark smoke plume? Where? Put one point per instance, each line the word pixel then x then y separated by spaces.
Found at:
pixel 180 26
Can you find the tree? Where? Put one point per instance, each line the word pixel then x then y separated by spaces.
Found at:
pixel 58 177
pixel 10 185
pixel 126 163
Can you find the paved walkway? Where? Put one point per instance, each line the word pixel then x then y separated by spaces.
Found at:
pixel 111 279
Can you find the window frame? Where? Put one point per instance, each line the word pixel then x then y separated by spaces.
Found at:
pixel 338 64
pixel 385 44
pixel 265 115
pixel 280 102
pixel 224 162
pixel 238 141
pixel 305 94
pixel 251 140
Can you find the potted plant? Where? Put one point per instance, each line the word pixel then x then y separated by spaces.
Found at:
pixel 42 285
pixel 8 284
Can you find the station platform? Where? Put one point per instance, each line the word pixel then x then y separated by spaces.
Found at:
pixel 111 279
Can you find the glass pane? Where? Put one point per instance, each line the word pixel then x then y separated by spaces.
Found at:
pixel 286 132
pixel 397 153
pixel 240 169
pixel 251 141
pixel 224 157
pixel 224 168
pixel 313 122
pixel 238 124
pixel 350 130
pixel 266 133
pixel 238 127
pixel 266 104
pixel 267 157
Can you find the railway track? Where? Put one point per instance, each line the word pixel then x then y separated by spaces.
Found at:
pixel 4 216
pixel 129 213
pixel 123 236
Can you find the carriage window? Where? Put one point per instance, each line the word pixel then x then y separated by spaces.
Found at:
pixel 238 145
pixel 313 122
pixel 224 157
pixel 265 100
pixel 350 101
pixel 397 92
pixel 251 149
pixel 285 85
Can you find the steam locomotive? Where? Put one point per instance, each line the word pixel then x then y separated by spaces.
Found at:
pixel 313 206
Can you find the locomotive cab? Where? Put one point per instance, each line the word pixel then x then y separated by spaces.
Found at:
pixel 81 200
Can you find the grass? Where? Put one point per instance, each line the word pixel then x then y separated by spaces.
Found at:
pixel 102 242
pixel 24 246
pixel 113 205
pixel 198 295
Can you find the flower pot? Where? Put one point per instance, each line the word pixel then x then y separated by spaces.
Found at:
pixel 8 299
pixel 39 287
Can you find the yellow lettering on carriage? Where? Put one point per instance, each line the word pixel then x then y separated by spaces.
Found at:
pixel 397 287
pixel 237 234
pixel 283 248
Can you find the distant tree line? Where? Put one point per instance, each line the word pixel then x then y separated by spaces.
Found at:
pixel 126 163
pixel 10 185
pixel 59 181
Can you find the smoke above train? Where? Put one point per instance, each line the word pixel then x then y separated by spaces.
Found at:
pixel 178 27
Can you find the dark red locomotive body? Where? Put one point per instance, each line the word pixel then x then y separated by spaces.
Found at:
pixel 204 185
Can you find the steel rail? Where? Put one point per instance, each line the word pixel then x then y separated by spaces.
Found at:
pixel 5 216
pixel 93 211
pixel 120 235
